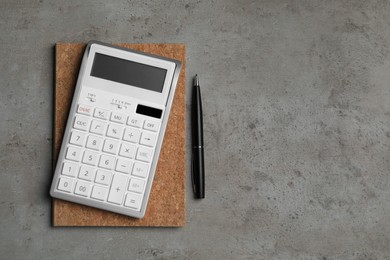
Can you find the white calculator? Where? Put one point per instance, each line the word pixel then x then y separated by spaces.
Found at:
pixel 115 129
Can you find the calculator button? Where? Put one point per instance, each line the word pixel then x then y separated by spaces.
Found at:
pixel 82 188
pixel 148 139
pixel 127 150
pixel 133 201
pixel 94 142
pixel 144 154
pixel 73 154
pixel 114 131
pixel 107 162
pixel 103 177
pixel 123 165
pixel 131 135
pixel 65 184
pixel 84 109
pixel 99 193
pixel 118 117
pixel 86 173
pixel 70 169
pixel 151 125
pixel 98 127
pixel 110 146
pixel 117 190
pixel 101 113
pixel 77 138
pixel 140 170
pixel 90 157
pixel 136 185
pixel 81 123
pixel 135 121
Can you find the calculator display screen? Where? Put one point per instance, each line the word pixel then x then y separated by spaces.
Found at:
pixel 128 72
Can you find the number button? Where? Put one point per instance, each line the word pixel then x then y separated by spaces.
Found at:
pixel 140 170
pixel 86 173
pixel 117 117
pixel 133 201
pixel 148 139
pixel 107 162
pixel 99 193
pixel 131 135
pixel 69 169
pixel 84 109
pixel 151 125
pixel 81 123
pixel 98 127
pixel 73 154
pixel 90 157
pixel 135 121
pixel 82 188
pixel 117 190
pixel 114 131
pixel 103 177
pixel 101 113
pixel 136 185
pixel 110 146
pixel 65 184
pixel 94 142
pixel 144 154
pixel 77 138
pixel 124 166
pixel 127 150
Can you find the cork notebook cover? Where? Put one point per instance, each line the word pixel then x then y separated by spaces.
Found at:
pixel 166 205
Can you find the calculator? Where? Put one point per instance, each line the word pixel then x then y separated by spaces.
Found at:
pixel 115 129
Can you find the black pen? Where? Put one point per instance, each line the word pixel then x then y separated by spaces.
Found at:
pixel 197 142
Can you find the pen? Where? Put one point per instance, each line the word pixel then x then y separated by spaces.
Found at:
pixel 197 142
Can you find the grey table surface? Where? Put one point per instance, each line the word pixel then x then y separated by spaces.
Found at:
pixel 296 112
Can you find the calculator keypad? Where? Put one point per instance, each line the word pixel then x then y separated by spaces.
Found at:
pixel 108 156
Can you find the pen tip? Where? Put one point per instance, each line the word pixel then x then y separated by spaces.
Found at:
pixel 196 80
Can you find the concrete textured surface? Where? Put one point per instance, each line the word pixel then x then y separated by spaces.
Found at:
pixel 296 108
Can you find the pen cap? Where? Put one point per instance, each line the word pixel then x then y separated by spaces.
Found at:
pixel 197 117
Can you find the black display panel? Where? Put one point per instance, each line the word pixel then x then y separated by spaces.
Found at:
pixel 128 72
pixel 149 111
